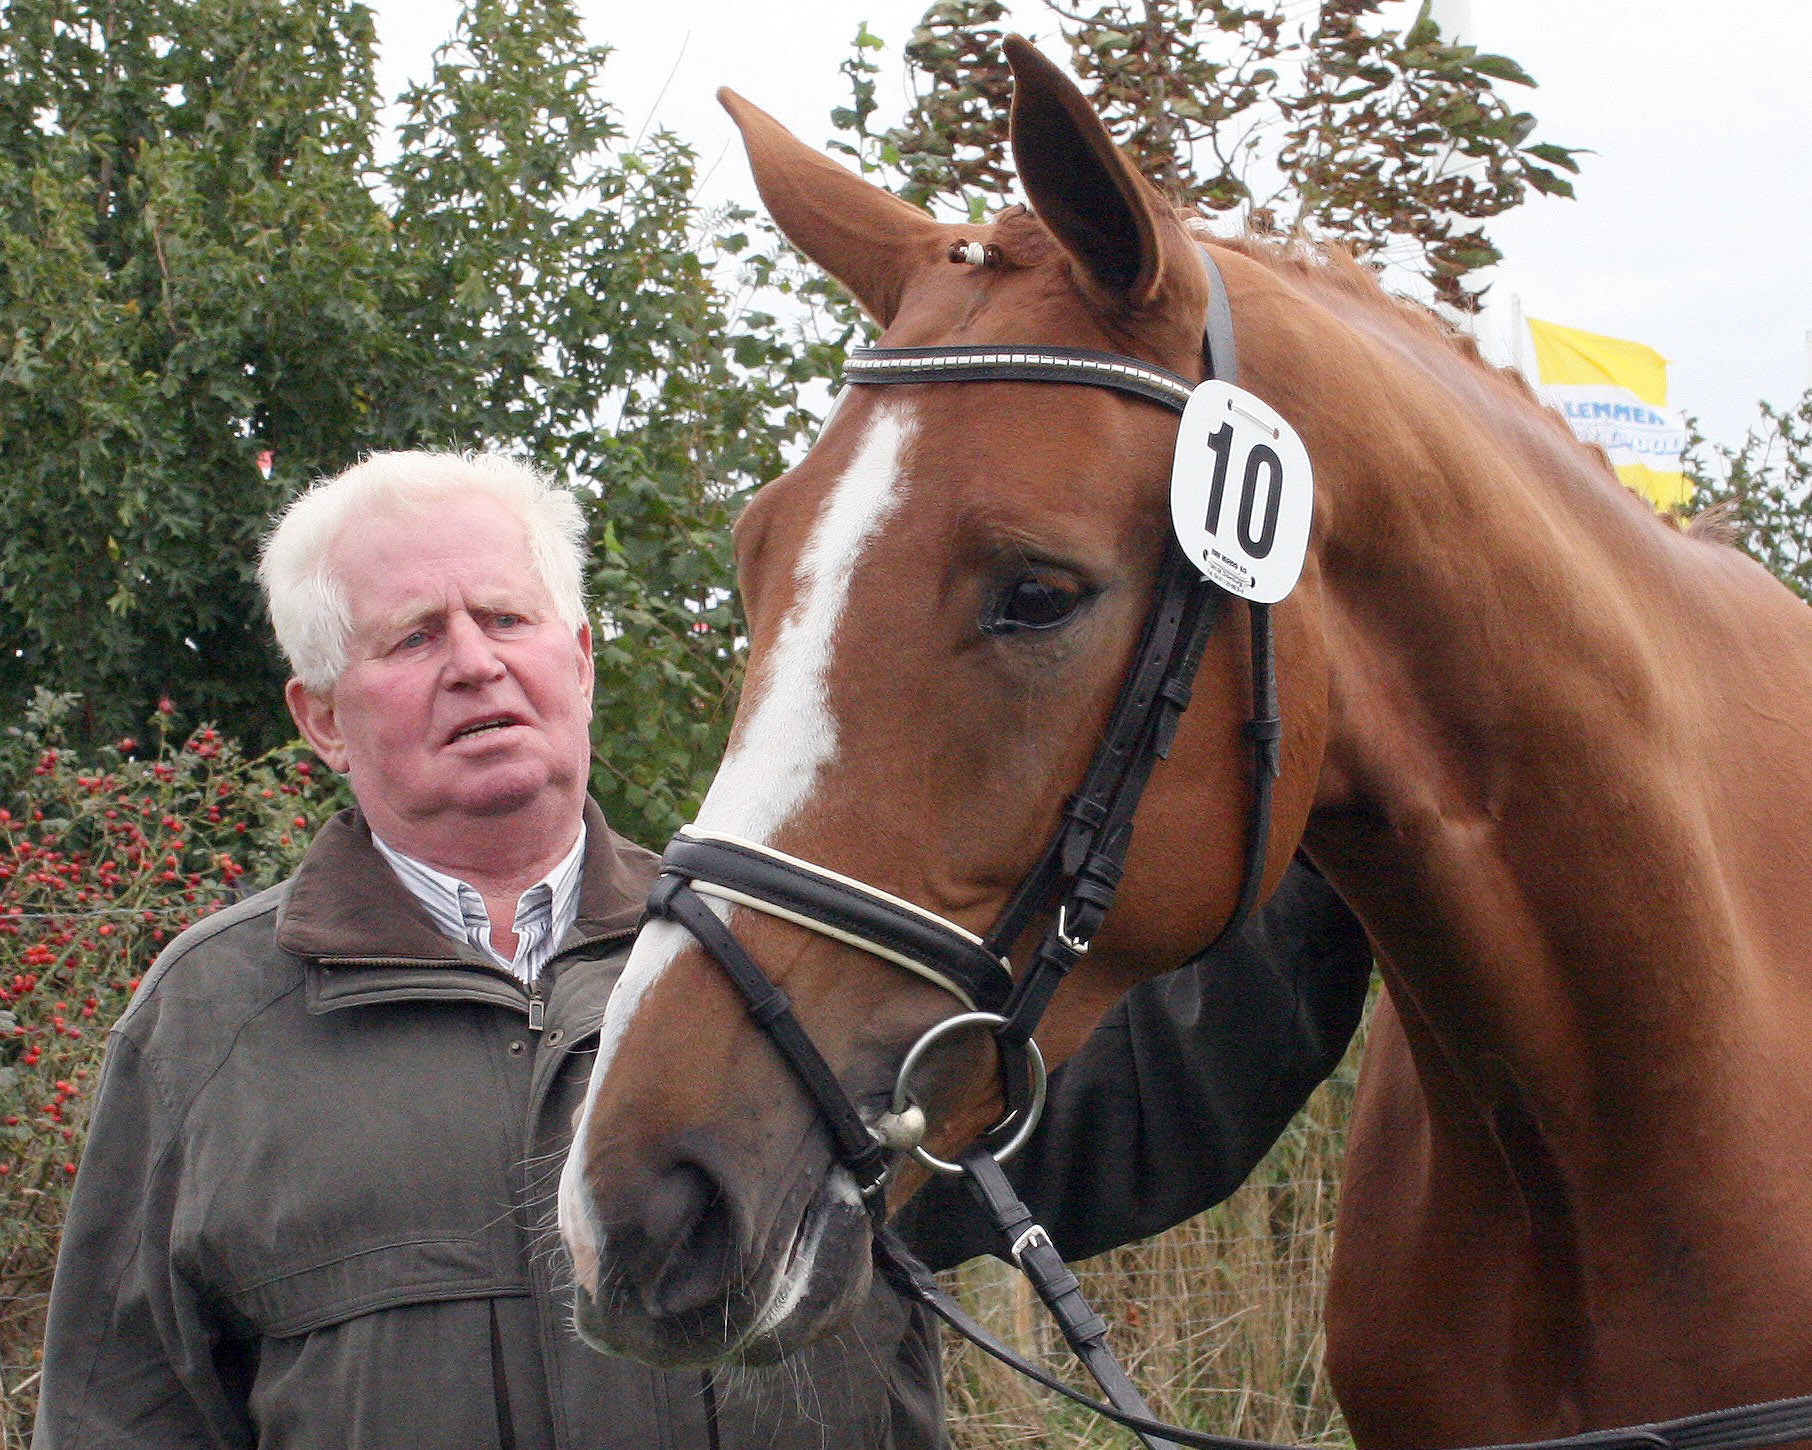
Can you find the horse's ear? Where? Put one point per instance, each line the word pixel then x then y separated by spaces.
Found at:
pixel 1109 218
pixel 867 239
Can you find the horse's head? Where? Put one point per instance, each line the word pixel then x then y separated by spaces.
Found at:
pixel 943 598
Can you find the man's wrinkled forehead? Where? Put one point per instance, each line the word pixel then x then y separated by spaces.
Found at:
pixel 404 567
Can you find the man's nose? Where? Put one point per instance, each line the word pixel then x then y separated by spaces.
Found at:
pixel 471 657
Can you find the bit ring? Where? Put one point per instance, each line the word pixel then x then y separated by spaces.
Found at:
pixel 902 1102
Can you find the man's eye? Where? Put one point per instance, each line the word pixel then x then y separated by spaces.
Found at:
pixel 507 621
pixel 413 639
pixel 1033 602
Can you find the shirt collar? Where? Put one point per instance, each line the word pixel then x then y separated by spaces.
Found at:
pixel 545 912
pixel 346 904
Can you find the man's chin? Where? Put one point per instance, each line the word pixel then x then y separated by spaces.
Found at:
pixel 504 785
pixel 497 805
pixel 500 799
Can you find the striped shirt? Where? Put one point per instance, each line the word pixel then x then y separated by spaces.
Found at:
pixel 544 913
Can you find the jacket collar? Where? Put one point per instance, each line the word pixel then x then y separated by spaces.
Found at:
pixel 346 905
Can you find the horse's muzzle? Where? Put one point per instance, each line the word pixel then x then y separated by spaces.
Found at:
pixel 679 1279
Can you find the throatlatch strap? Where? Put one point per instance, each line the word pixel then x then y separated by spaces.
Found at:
pixel 1222 357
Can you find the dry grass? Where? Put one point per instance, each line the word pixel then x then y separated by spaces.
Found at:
pixel 1218 1321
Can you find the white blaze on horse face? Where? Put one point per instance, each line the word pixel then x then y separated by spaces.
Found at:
pixel 791 734
pixel 787 738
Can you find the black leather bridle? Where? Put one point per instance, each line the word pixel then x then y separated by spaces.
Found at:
pixel 1078 874
pixel 1079 871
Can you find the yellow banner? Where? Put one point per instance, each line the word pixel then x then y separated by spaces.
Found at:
pixel 1614 393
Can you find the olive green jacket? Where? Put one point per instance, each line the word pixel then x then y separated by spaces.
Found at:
pixel 315 1208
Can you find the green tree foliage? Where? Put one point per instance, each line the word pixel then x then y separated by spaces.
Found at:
pixel 1764 487
pixel 188 262
pixel 1398 144
pixel 203 257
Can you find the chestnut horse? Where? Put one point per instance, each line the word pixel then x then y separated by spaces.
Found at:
pixel 1555 752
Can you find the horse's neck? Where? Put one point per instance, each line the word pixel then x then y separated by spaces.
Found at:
pixel 1524 772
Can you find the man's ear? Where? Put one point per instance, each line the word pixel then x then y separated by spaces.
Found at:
pixel 315 718
pixel 588 669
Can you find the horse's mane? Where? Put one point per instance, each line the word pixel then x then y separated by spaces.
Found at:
pixel 1330 267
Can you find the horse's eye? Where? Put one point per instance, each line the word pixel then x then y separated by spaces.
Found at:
pixel 1033 602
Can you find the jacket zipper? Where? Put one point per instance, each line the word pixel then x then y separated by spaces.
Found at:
pixel 537 1005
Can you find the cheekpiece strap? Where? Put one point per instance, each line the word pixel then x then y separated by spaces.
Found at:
pixel 855 1146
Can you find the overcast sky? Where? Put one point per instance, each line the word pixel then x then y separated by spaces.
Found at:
pixel 1693 227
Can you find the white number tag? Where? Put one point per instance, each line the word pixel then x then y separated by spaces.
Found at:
pixel 1242 493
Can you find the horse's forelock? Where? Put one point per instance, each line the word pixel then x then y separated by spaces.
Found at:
pixel 1024 241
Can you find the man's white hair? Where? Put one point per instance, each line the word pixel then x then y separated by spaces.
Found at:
pixel 308 605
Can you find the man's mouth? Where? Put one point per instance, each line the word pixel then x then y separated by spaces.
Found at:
pixel 482 727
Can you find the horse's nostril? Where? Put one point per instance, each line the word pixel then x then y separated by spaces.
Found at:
pixel 689 1243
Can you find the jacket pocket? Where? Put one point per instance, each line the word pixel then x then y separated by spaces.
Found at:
pixel 382 1276
pixel 394 1344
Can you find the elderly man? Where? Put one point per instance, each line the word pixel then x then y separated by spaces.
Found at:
pixel 315 1202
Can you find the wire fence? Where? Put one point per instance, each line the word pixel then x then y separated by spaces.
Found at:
pixel 1218 1321
pixel 103 861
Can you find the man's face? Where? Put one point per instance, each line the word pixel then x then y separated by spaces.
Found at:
pixel 464 697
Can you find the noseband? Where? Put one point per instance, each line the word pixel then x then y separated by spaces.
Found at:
pixel 1079 871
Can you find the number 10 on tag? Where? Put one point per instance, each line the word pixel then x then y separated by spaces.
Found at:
pixel 1242 493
